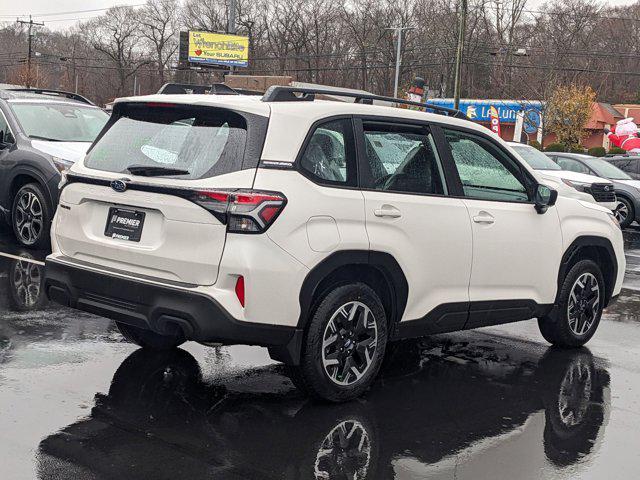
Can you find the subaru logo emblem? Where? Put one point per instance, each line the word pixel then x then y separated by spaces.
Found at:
pixel 118 185
pixel 606 188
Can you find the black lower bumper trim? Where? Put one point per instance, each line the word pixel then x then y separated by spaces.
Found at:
pixel 156 307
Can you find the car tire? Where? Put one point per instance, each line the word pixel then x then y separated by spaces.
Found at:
pixel 344 344
pixel 579 307
pixel 148 339
pixel 625 213
pixel 31 217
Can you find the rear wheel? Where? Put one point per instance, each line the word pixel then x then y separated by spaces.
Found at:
pixel 624 212
pixel 344 344
pixel 31 216
pixel 580 304
pixel 148 339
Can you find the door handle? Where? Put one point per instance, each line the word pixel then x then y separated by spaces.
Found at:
pixel 387 211
pixel 484 217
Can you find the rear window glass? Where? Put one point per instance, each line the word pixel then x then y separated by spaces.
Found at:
pixel 200 142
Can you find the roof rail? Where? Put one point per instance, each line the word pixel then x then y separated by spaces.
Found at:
pixel 48 91
pixel 278 93
pixel 190 88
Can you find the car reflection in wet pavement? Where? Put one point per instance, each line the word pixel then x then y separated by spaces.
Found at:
pixel 78 402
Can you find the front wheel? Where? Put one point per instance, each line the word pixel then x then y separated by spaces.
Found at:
pixel 624 212
pixel 579 307
pixel 344 344
pixel 148 339
pixel 31 216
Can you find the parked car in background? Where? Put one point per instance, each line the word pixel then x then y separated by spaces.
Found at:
pixel 582 186
pixel 42 133
pixel 630 164
pixel 627 189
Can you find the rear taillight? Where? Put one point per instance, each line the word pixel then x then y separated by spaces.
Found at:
pixel 243 211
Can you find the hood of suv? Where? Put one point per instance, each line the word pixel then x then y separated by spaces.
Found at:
pixel 575 176
pixel 632 183
pixel 70 151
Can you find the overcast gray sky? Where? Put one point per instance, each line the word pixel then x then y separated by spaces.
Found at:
pixel 60 14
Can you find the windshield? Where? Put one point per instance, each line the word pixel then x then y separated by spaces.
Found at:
pixel 535 158
pixel 60 122
pixel 185 141
pixel 606 170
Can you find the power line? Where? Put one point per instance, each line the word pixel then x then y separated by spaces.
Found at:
pixel 72 11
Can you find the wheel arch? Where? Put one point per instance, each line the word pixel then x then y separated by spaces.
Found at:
pixel 378 270
pixel 598 249
pixel 21 178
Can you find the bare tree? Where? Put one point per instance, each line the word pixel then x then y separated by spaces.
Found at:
pixel 116 36
pixel 160 24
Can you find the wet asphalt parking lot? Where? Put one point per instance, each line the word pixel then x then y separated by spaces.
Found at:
pixel 78 402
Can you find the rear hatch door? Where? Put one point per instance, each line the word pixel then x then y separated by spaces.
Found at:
pixel 135 203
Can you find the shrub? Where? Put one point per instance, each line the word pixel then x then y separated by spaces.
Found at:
pixel 597 151
pixel 617 150
pixel 535 144
pixel 556 147
pixel 576 149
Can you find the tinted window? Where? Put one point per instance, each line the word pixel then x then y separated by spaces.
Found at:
pixel 485 170
pixel 572 165
pixel 203 141
pixel 402 159
pixel 61 122
pixel 329 154
pixel 626 165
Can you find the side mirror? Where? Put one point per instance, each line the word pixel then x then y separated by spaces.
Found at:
pixel 544 198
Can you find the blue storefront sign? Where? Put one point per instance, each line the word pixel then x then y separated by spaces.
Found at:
pixel 478 110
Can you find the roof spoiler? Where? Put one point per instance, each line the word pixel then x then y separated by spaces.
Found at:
pixel 189 88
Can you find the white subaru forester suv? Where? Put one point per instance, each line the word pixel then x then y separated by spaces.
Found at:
pixel 321 230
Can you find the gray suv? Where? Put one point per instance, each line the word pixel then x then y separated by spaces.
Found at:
pixel 42 133
pixel 627 189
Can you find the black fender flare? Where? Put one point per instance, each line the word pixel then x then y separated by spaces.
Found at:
pixel 383 262
pixel 37 177
pixel 574 248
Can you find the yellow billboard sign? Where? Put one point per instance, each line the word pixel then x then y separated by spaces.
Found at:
pixel 218 49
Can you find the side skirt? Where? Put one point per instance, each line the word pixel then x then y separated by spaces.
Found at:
pixel 451 317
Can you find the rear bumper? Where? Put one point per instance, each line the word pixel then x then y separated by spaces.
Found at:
pixel 160 308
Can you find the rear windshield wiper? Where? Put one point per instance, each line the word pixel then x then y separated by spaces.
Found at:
pixel 38 137
pixel 151 171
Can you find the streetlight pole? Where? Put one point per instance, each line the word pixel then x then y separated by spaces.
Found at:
pixel 398 31
pixel 459 52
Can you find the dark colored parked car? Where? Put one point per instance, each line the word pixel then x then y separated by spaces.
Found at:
pixel 628 163
pixel 42 133
pixel 627 189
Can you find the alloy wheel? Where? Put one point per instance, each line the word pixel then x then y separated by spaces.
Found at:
pixel 621 212
pixel 583 305
pixel 345 452
pixel 349 343
pixel 28 218
pixel 575 394
pixel 26 280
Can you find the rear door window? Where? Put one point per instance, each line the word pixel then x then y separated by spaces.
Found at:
pixel 203 141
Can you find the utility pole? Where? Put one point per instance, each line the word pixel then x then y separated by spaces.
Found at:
pixel 460 50
pixel 398 31
pixel 31 23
